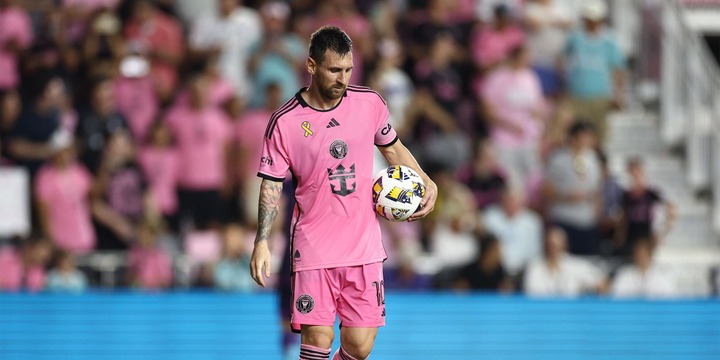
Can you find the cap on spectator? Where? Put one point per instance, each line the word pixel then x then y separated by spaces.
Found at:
pixel 595 10
pixel 61 140
pixel 107 24
pixel 134 66
pixel 275 10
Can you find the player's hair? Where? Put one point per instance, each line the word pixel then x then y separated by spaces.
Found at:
pixel 329 38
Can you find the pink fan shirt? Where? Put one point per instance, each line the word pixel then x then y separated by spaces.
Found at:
pixel 161 166
pixel 13 275
pixel 65 194
pixel 160 32
pixel 202 136
pixel 330 155
pixel 514 96
pixel 249 132
pixel 14 26
pixel 220 92
pixel 151 268
pixel 488 45
pixel 137 101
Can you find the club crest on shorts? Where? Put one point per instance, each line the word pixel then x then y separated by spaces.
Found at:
pixel 304 303
pixel 338 149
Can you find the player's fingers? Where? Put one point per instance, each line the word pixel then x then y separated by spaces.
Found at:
pixel 252 270
pixel 267 268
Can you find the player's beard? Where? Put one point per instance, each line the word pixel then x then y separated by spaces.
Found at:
pixel 334 91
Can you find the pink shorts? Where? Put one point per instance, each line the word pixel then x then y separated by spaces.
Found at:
pixel 355 294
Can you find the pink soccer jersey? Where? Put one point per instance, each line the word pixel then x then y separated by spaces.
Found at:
pixel 330 156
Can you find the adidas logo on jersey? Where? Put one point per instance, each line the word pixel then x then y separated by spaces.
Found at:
pixel 332 123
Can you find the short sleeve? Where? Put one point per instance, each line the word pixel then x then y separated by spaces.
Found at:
pixel 274 160
pixel 385 134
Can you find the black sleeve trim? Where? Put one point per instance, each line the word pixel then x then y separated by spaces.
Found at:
pixel 271 178
pixel 390 143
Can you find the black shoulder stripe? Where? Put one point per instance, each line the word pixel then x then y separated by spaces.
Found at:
pixel 363 89
pixel 274 124
pixel 277 114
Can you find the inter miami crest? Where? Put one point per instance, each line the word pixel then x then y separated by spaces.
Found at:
pixel 304 303
pixel 338 149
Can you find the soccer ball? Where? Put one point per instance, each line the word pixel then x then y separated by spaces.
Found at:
pixel 397 192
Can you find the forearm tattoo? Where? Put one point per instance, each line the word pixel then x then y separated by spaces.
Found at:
pixel 270 193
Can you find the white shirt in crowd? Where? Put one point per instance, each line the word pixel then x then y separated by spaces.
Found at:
pixel 520 236
pixel 235 35
pixel 573 277
pixel 631 282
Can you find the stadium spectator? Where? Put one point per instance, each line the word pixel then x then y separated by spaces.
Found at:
pixel 436 112
pixel 203 137
pixel 160 162
pixel 403 276
pixel 37 132
pixel 158 38
pixel 24 268
pixel 249 132
pixel 594 63
pixel 639 204
pixel 642 278
pixel 393 83
pixel 573 190
pixel 98 123
pixel 487 272
pixel 10 108
pixel 277 57
pixel 451 228
pixel 561 274
pixel 150 265
pixel 103 46
pixel 518 229
pixel 491 44
pixel 65 276
pixel 548 23
pixel 119 194
pixel 343 14
pixel 220 90
pixel 484 176
pixel 425 23
pixel 232 272
pixel 561 118
pixel 16 36
pixel 77 15
pixel 62 188
pixel 219 35
pixel 135 94
pixel 514 108
pixel 612 194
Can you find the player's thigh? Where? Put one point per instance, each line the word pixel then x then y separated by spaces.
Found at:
pixel 361 303
pixel 313 299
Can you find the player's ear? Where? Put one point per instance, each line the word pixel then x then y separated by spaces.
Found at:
pixel 311 65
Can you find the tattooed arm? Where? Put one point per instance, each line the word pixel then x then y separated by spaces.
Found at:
pixel 269 202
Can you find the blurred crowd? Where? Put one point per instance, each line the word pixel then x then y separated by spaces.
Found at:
pixel 139 123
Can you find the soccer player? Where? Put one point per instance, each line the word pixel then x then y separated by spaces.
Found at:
pixel 324 136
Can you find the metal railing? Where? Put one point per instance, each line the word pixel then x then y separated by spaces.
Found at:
pixel 690 102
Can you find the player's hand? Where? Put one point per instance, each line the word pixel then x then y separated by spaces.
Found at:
pixel 260 262
pixel 427 204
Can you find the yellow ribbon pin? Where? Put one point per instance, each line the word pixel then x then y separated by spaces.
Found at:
pixel 306 127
